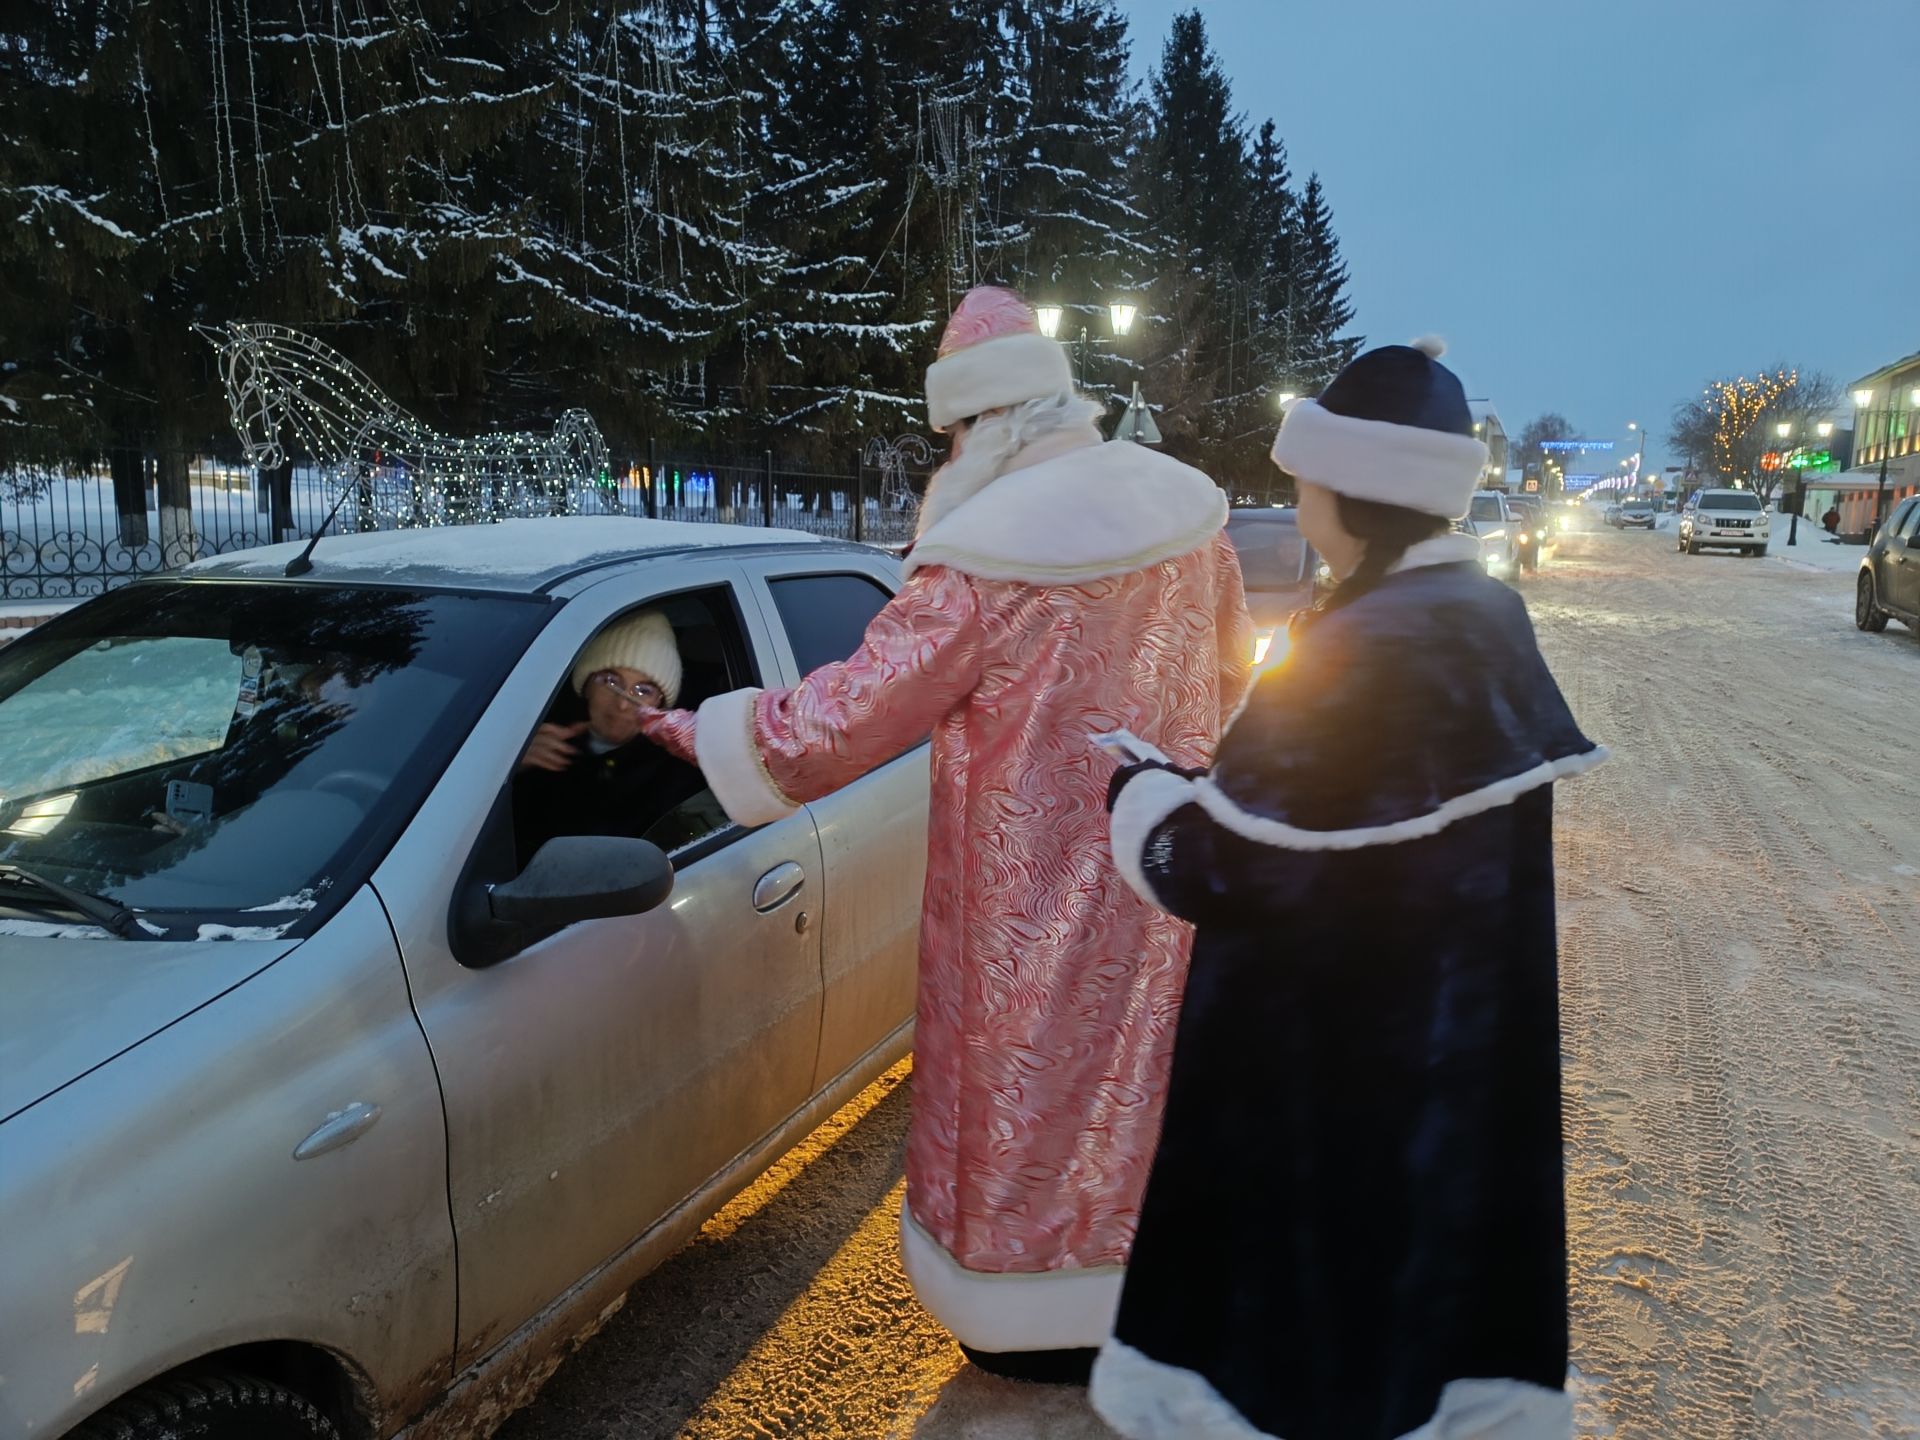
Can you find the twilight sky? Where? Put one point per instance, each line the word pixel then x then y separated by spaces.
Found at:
pixel 1602 204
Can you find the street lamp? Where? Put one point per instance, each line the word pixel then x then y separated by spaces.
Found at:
pixel 1120 314
pixel 1783 429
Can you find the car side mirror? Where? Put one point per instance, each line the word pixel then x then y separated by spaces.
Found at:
pixel 583 877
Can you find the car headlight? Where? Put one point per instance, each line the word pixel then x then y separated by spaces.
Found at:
pixel 1325 572
pixel 1526 537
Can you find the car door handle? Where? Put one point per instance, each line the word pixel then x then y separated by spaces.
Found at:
pixel 343 1127
pixel 778 886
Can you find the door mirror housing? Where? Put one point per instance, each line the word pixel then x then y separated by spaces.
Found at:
pixel 570 878
pixel 583 877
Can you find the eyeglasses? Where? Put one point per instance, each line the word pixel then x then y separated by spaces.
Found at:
pixel 646 694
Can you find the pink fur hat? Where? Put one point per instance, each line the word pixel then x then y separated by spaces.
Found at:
pixel 992 355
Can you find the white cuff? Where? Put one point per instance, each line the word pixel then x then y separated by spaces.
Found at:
pixel 729 756
pixel 1144 801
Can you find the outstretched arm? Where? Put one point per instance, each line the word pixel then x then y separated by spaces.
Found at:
pixel 765 752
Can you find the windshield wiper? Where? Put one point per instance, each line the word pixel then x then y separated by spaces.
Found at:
pixel 111 915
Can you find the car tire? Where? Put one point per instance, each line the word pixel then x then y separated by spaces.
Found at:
pixel 211 1405
pixel 1867 614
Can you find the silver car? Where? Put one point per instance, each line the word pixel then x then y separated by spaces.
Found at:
pixel 326 1112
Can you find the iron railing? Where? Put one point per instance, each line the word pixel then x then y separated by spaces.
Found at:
pixel 80 530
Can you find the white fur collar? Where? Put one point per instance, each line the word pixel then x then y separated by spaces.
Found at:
pixel 1448 549
pixel 1090 513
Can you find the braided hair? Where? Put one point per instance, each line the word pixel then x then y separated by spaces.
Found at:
pixel 1390 531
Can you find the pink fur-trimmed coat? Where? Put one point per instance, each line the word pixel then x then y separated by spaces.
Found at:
pixel 1081 592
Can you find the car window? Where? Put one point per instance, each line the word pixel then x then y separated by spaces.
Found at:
pixel 193 750
pixel 1487 507
pixel 1912 526
pixel 617 782
pixel 826 616
pixel 1273 555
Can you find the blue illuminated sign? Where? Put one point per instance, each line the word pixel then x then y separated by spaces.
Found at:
pixel 1576 444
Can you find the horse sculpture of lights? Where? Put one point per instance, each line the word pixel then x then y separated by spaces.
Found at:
pixel 290 395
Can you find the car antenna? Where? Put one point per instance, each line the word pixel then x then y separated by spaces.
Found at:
pixel 303 562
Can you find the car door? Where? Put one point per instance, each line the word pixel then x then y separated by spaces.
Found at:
pixel 597 1079
pixel 873 833
pixel 1900 564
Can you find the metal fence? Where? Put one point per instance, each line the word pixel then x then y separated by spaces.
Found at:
pixel 82 530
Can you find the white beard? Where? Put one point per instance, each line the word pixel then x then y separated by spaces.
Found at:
pixel 981 461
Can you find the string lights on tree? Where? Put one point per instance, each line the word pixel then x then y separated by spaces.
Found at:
pixel 1738 407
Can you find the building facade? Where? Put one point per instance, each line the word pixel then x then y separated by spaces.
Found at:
pixel 1886 439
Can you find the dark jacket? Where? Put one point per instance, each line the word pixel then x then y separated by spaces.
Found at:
pixel 1358 1200
pixel 625 791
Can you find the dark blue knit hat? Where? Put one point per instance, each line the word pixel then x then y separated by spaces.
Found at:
pixel 1393 427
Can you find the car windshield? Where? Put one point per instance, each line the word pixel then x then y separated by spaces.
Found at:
pixel 196 749
pixel 1639 507
pixel 1487 507
pixel 1273 556
pixel 1730 500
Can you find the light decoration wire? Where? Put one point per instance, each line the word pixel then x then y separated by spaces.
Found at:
pixel 290 395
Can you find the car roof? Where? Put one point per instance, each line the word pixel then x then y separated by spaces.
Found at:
pixel 1278 514
pixel 514 556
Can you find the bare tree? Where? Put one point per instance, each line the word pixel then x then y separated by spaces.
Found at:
pixel 1539 431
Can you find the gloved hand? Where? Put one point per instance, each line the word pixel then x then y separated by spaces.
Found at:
pixel 672 731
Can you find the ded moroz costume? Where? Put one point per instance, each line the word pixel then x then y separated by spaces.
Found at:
pixel 1059 587
pixel 1355 1227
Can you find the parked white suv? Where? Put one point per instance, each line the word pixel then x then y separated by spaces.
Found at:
pixel 1724 519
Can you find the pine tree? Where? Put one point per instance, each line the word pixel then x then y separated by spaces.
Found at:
pixel 1322 310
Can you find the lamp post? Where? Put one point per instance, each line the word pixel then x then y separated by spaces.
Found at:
pixel 1640 455
pixel 1120 314
pixel 1862 403
pixel 1783 429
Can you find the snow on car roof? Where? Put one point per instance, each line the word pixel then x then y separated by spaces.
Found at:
pixel 510 555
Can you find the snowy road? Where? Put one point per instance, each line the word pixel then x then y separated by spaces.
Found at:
pixel 1741 958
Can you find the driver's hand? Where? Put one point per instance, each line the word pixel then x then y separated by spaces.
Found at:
pixel 552 747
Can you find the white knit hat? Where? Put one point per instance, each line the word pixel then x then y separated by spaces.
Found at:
pixel 642 642
pixel 993 355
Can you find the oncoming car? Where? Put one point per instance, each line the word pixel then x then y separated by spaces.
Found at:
pixel 316 1101
pixel 1281 571
pixel 1497 526
pixel 1726 520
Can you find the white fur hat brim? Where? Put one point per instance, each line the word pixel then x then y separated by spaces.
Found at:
pixel 1418 469
pixel 642 642
pixel 995 373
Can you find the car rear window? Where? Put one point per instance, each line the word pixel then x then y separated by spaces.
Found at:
pixel 1487 507
pixel 826 616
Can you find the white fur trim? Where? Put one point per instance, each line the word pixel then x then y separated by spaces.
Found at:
pixel 1144 801
pixel 1425 470
pixel 1448 549
pixel 1039 1310
pixel 1146 1400
pixel 1092 513
pixel 729 756
pixel 993 373
pixel 1278 833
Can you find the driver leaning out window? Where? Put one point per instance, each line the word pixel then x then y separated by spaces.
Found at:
pixel 598 776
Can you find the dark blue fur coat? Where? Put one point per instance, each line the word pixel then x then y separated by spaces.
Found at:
pixel 1355 1227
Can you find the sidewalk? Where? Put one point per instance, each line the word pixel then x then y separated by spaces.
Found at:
pixel 1815 551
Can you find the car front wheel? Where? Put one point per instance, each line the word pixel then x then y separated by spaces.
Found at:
pixel 213 1405
pixel 1867 614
